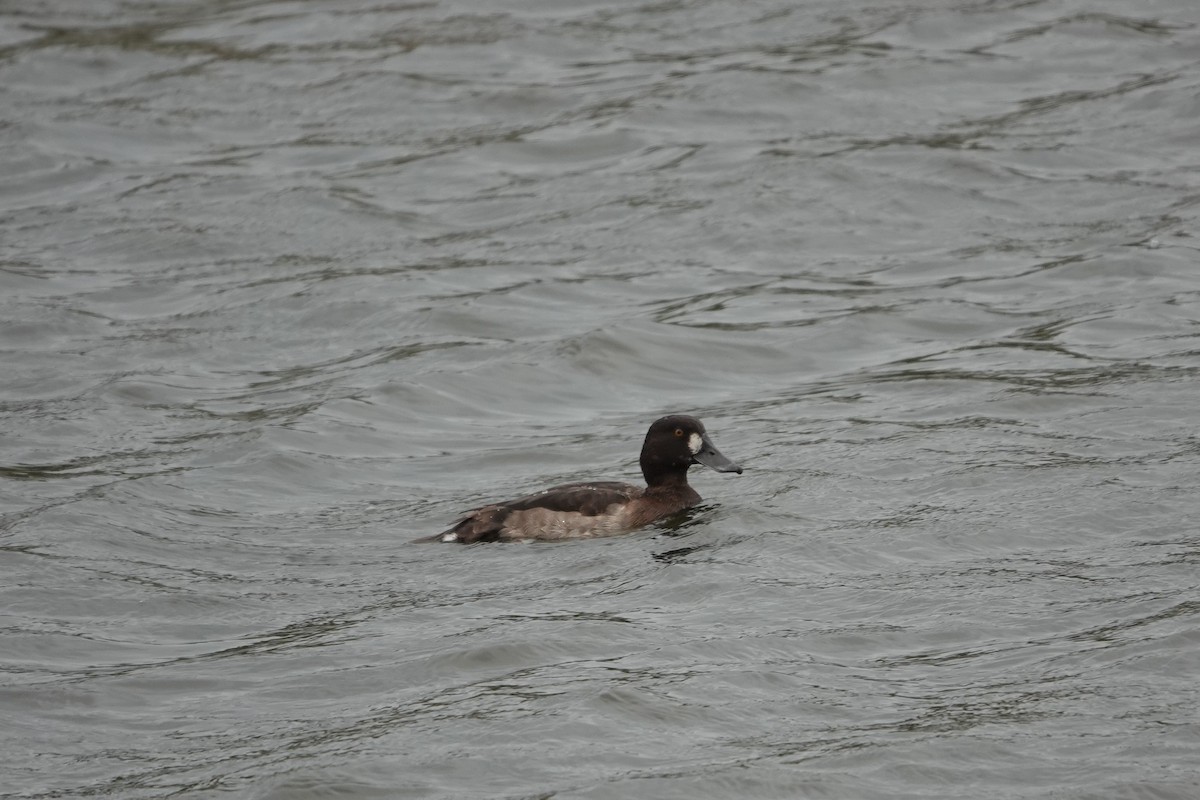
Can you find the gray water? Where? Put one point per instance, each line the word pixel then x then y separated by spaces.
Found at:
pixel 286 285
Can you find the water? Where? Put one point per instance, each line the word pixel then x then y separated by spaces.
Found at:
pixel 286 285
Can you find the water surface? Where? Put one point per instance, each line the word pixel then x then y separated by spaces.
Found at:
pixel 286 285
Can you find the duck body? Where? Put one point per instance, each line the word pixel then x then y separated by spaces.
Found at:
pixel 603 508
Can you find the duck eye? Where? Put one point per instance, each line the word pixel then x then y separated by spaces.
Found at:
pixel 679 432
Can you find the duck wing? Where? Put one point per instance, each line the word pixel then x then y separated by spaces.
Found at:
pixel 580 501
pixel 589 498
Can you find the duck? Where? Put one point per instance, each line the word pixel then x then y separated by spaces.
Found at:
pixel 602 508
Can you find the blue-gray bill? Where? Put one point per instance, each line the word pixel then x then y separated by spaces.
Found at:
pixel 712 458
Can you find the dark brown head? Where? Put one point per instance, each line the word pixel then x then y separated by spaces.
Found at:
pixel 673 444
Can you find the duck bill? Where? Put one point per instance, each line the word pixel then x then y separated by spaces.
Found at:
pixel 711 457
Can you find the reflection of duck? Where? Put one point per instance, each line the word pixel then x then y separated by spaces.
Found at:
pixel 603 508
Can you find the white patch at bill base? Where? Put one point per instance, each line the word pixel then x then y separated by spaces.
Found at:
pixel 695 443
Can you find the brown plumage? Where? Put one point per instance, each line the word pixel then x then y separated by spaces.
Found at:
pixel 603 508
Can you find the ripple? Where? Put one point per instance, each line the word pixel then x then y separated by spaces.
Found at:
pixel 286 287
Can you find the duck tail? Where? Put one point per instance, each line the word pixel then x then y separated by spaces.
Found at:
pixel 448 536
